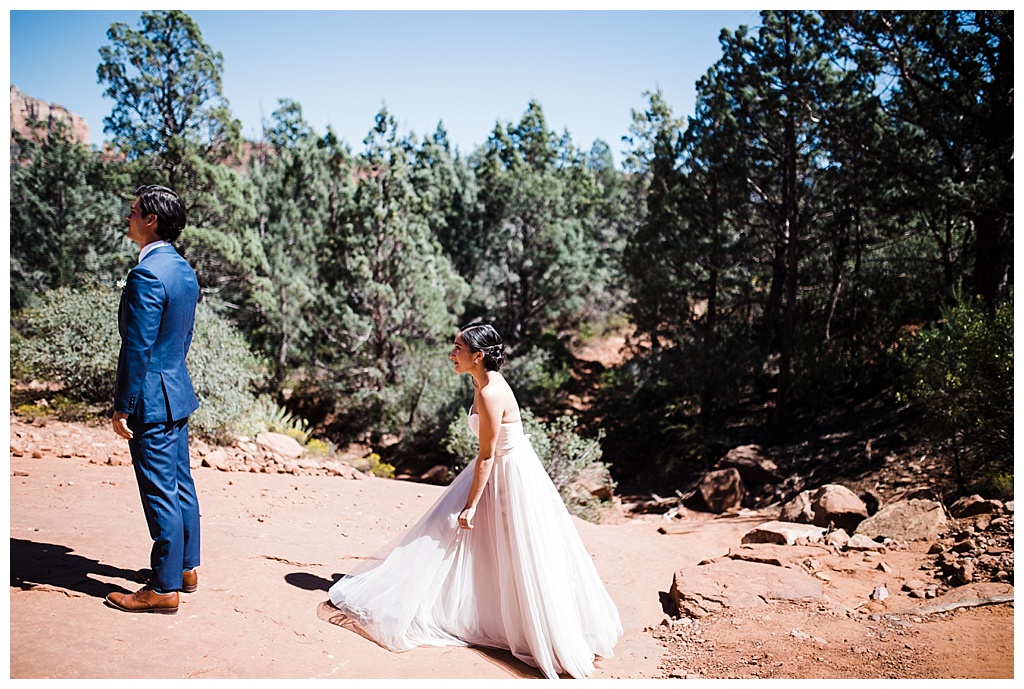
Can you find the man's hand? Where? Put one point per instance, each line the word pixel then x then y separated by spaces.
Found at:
pixel 120 423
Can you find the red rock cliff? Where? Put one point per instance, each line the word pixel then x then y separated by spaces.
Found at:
pixel 25 108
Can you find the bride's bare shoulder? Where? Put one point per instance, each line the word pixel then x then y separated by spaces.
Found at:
pixel 498 392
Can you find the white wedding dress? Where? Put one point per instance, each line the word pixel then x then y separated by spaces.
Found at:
pixel 519 580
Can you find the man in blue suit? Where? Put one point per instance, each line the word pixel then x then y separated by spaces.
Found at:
pixel 153 398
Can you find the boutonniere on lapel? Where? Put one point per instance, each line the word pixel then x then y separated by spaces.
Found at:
pixel 122 282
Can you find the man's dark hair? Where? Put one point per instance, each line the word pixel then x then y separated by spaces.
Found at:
pixel 166 205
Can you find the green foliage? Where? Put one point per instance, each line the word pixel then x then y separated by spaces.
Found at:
pixel 71 338
pixel 67 218
pixel 539 238
pixel 834 183
pixel 538 376
pixel 459 442
pixel 651 408
pixel 372 464
pixel 296 193
pixel 32 412
pixel 225 375
pixel 318 448
pixel 166 86
pixel 172 122
pixel 961 369
pixel 60 406
pixel 951 105
pixel 277 419
pixel 391 296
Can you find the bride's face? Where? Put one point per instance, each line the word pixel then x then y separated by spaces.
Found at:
pixel 461 356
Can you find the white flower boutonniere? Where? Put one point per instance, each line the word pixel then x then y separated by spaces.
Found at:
pixel 122 282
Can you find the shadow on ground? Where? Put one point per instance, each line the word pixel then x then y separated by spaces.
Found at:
pixel 48 565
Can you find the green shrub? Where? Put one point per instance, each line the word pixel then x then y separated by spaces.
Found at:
pixel 277 419
pixel 459 442
pixel 961 370
pixel 318 448
pixel 225 374
pixel 70 337
pixel 371 464
pixel 32 412
pixel 426 394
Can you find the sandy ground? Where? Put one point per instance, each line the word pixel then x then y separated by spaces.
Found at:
pixel 274 543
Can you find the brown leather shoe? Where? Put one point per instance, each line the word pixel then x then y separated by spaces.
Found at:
pixel 189 579
pixel 145 600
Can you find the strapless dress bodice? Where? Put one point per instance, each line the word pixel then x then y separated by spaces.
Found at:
pixel 510 435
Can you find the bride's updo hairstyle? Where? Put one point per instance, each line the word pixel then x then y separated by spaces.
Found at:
pixel 485 339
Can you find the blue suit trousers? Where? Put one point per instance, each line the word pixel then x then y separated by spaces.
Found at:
pixel 160 456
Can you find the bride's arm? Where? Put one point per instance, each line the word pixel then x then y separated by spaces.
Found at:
pixel 490 411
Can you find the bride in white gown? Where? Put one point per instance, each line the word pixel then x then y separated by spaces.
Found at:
pixel 496 561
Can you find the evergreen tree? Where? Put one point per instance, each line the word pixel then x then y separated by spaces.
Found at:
pixel 293 179
pixel 169 111
pixel 394 289
pixel 539 234
pixel 782 79
pixel 952 99
pixel 448 194
pixel 653 256
pixel 67 216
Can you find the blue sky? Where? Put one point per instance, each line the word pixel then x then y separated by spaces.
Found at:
pixel 469 69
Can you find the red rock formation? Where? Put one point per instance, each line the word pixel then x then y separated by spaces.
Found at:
pixel 25 108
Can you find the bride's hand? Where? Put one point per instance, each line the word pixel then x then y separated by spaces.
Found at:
pixel 466 518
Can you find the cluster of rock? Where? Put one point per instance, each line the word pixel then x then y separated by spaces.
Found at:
pixel 974 543
pixel 277 453
pixel 781 559
pixel 980 546
pixel 968 552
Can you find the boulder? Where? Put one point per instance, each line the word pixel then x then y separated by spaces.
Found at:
pixel 752 466
pixel 280 444
pixel 837 506
pixel 437 475
pixel 837 539
pixel 218 459
pixel 723 584
pixel 906 520
pixel 593 481
pixel 798 509
pixel 778 555
pixel 974 505
pixel 722 490
pixel 339 469
pixel 863 543
pixel 783 533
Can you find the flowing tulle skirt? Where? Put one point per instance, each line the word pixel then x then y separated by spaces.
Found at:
pixel 519 580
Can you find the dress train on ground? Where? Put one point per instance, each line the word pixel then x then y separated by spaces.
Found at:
pixel 520 580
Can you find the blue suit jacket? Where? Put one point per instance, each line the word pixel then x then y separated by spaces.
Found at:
pixel 155 318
